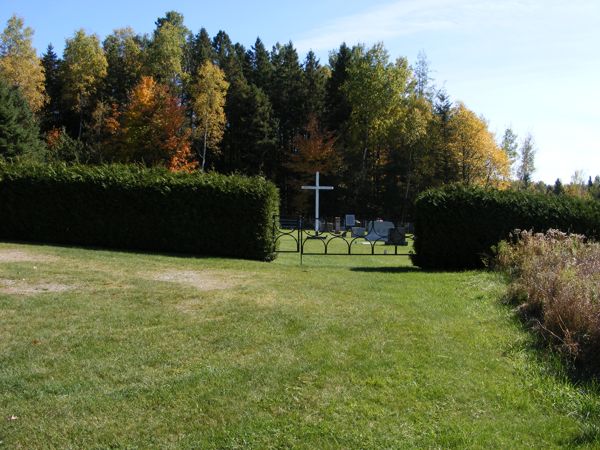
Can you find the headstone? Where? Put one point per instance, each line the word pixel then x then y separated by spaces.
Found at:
pixel 358 232
pixel 338 225
pixel 350 221
pixel 396 236
pixel 378 230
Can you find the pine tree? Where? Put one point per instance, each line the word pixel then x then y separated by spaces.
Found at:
pixel 19 132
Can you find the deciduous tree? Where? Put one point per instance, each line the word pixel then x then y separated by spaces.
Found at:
pixel 124 55
pixel 153 129
pixel 208 103
pixel 478 159
pixel 19 64
pixel 83 69
pixel 526 161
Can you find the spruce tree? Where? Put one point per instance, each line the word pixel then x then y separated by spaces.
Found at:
pixel 19 132
pixel 261 66
pixel 315 80
pixel 51 114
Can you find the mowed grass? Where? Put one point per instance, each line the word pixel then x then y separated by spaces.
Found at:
pixel 105 349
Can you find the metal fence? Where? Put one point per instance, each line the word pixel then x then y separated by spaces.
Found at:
pixel 365 238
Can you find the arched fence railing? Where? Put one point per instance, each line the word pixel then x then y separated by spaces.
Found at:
pixel 363 238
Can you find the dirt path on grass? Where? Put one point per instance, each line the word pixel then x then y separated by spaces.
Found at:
pixel 203 280
pixel 12 256
pixel 22 287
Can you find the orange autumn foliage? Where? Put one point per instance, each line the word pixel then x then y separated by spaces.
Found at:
pixel 315 151
pixel 153 129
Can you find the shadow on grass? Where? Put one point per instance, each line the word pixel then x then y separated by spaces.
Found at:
pixel 108 249
pixel 402 269
pixel 387 269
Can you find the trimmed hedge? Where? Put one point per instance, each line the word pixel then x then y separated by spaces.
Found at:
pixel 456 226
pixel 131 207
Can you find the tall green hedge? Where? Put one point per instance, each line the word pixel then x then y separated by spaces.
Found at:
pixel 131 207
pixel 456 226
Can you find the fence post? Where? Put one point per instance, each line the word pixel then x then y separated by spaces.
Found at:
pixel 300 239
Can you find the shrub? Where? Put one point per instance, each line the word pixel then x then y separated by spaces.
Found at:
pixel 135 208
pixel 556 281
pixel 456 227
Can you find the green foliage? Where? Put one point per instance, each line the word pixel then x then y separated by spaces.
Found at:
pixel 135 208
pixel 456 226
pixel 19 132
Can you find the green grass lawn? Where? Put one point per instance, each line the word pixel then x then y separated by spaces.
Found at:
pixel 104 349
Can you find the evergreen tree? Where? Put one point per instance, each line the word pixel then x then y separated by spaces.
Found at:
pixel 198 50
pixel 287 104
pixel 337 107
pixel 51 114
pixel 250 139
pixel 19 132
pixel 261 73
pixel 445 171
pixel 315 81
pixel 558 188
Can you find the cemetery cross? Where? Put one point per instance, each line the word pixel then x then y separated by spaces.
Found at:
pixel 317 187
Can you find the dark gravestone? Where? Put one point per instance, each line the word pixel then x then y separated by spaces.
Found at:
pixel 396 236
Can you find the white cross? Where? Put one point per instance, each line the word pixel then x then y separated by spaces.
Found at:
pixel 317 187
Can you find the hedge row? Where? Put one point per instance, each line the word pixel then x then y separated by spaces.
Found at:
pixel 455 227
pixel 131 207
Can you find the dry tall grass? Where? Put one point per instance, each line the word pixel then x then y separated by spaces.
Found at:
pixel 556 281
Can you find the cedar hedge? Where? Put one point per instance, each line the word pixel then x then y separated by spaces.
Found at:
pixel 457 226
pixel 131 207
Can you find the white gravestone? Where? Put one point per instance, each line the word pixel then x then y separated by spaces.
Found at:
pixel 378 230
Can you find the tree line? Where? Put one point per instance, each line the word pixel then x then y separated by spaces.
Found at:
pixel 378 129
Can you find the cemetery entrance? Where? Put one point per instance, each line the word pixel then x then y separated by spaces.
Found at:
pixel 343 236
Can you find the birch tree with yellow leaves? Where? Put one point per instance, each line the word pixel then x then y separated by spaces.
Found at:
pixel 20 65
pixel 208 104
pixel 474 152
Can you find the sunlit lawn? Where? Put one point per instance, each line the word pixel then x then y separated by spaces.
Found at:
pixel 106 349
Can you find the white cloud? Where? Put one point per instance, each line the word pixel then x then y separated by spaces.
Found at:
pixel 405 17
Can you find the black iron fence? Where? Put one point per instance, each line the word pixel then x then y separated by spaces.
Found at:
pixel 335 237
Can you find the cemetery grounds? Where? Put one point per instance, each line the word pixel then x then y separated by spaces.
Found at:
pixel 116 349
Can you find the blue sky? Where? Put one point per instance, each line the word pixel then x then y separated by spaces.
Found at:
pixel 530 64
